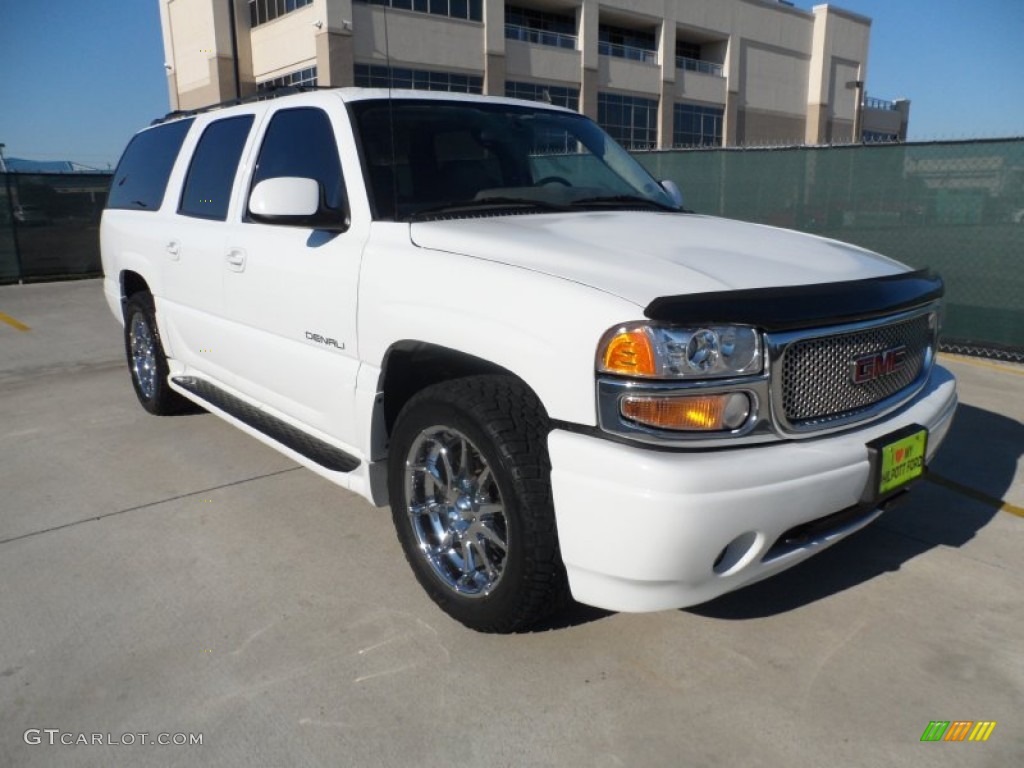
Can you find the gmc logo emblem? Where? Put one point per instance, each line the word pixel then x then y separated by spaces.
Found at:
pixel 870 367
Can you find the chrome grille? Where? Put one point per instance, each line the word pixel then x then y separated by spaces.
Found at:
pixel 817 387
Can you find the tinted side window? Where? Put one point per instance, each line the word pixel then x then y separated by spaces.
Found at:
pixel 211 173
pixel 300 142
pixel 141 177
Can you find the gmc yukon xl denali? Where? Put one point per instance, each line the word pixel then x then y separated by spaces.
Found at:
pixel 485 314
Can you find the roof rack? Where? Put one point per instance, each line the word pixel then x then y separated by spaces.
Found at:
pixel 273 92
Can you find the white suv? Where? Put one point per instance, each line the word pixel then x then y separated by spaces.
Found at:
pixel 487 314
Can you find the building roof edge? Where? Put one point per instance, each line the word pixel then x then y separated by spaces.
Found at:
pixel 857 17
pixel 776 5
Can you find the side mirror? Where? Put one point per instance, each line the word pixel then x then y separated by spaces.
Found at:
pixel 673 191
pixel 296 202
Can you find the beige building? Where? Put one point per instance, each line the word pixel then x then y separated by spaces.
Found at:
pixel 654 73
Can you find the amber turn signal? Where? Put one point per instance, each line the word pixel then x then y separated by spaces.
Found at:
pixel 630 354
pixel 690 413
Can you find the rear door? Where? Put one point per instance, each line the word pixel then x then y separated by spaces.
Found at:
pixel 194 251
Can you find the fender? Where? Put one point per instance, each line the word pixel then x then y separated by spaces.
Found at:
pixel 539 327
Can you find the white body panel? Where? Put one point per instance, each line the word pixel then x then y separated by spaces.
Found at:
pixel 543 330
pixel 641 255
pixel 290 340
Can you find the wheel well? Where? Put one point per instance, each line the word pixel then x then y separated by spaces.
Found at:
pixel 410 366
pixel 132 283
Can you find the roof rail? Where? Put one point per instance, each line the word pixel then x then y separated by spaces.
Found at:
pixel 274 92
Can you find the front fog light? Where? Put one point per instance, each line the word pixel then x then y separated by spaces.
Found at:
pixel 690 413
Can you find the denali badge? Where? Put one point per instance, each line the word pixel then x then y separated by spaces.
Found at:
pixel 870 367
pixel 324 340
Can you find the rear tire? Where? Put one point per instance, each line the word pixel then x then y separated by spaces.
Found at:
pixel 147 362
pixel 470 488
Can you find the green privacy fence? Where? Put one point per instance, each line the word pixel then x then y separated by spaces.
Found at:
pixel 49 225
pixel 957 207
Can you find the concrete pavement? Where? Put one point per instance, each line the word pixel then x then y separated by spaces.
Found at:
pixel 172 575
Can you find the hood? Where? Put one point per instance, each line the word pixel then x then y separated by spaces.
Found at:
pixel 640 256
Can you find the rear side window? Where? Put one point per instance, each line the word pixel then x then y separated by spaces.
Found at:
pixel 300 142
pixel 211 173
pixel 141 177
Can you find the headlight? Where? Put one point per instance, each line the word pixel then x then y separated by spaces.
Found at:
pixel 665 352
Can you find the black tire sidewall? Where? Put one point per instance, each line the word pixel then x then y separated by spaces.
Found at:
pixel 486 613
pixel 164 399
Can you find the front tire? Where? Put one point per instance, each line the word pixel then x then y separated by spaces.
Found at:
pixel 469 481
pixel 147 362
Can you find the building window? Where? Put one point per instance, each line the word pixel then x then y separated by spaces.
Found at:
pixel 472 10
pixel 301 77
pixel 877 137
pixel 262 11
pixel 550 94
pixel 870 102
pixel 627 44
pixel 688 50
pixel 539 27
pixel 688 57
pixel 632 121
pixel 697 126
pixel 375 76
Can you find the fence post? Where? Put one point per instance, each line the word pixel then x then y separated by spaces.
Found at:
pixel 14 229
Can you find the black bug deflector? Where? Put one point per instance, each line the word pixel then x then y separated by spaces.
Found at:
pixel 802 306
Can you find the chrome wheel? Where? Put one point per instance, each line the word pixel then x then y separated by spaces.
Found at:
pixel 456 511
pixel 143 355
pixel 468 480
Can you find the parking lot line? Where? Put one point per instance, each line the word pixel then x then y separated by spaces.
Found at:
pixel 148 504
pixel 19 326
pixel 974 493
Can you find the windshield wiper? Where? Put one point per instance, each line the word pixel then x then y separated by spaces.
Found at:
pixel 483 204
pixel 623 200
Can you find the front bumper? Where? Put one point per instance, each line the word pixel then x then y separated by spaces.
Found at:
pixel 646 530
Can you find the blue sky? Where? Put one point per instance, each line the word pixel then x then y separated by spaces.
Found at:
pixel 960 62
pixel 78 77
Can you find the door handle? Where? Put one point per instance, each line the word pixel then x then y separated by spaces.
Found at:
pixel 173 250
pixel 236 259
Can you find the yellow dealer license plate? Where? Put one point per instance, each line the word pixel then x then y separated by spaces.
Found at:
pixel 898 459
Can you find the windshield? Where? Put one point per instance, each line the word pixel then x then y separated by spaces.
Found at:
pixel 454 157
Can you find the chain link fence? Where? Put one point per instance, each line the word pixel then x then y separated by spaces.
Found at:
pixel 957 207
pixel 49 225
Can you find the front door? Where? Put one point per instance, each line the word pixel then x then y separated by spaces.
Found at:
pixel 290 292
